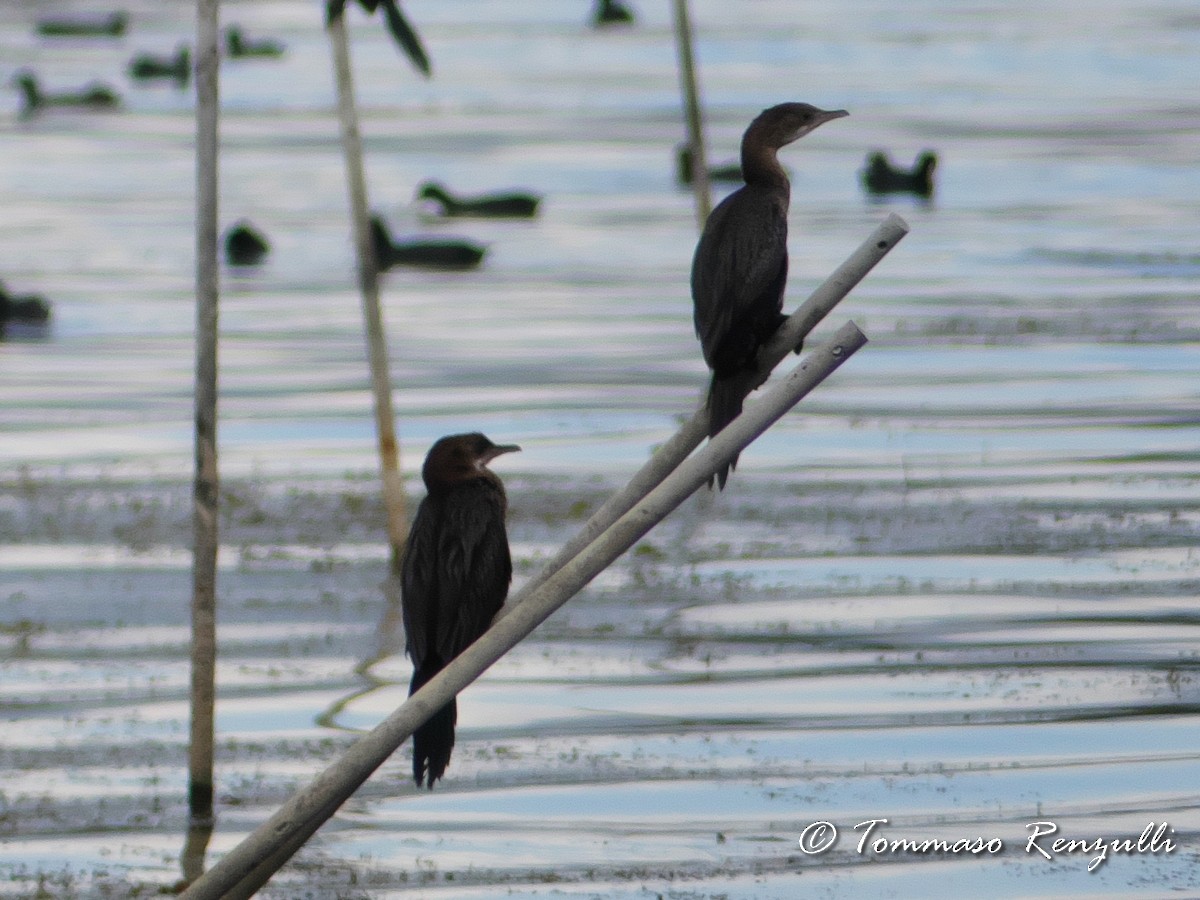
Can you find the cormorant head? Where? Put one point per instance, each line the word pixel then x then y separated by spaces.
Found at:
pixel 432 190
pixel 926 162
pixel 460 457
pixel 780 125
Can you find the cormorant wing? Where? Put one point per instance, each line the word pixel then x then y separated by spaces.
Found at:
pixel 740 265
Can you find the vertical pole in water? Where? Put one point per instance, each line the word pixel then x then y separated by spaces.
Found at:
pixel 206 485
pixel 368 283
pixel 695 121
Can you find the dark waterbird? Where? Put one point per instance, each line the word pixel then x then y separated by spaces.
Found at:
pixel 245 245
pixel 455 576
pixel 612 12
pixel 238 46
pixel 510 205
pixel 148 67
pixel 685 168
pixel 879 176
pixel 27 309
pixel 33 99
pixel 452 254
pixel 402 31
pixel 741 262
pixel 110 25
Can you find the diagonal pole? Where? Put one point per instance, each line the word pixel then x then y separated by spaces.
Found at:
pixel 242 871
pixel 676 448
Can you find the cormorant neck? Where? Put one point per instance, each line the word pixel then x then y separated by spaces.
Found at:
pixel 760 166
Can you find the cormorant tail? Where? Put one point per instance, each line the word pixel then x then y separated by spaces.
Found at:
pixel 434 740
pixel 725 398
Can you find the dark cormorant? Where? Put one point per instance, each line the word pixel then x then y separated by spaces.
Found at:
pixel 244 245
pixel 880 177
pixel 146 66
pixel 496 206
pixel 612 12
pixel 238 46
pixel 740 267
pixel 92 96
pixel 426 253
pixel 111 25
pixel 402 30
pixel 455 576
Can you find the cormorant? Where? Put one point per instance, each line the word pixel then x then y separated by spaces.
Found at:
pixel 612 12
pixel 92 96
pixel 146 66
pixel 455 576
pixel 111 25
pixel 402 30
pixel 244 245
pixel 426 253
pixel 740 267
pixel 238 46
pixel 880 177
pixel 496 206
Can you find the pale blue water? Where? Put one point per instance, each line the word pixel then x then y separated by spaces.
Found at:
pixel 955 588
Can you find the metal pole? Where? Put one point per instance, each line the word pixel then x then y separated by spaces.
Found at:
pixel 676 449
pixel 691 104
pixel 206 485
pixel 368 284
pixel 240 872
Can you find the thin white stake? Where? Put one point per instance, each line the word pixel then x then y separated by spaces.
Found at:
pixel 206 484
pixel 368 283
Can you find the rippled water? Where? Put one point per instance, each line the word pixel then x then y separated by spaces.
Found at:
pixel 954 589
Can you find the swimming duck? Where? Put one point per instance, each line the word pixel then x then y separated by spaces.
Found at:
pixel 238 46
pixel 430 254
pixel 92 96
pixel 880 177
pixel 111 25
pixel 511 205
pixel 28 309
pixel 146 67
pixel 731 172
pixel 611 12
pixel 244 245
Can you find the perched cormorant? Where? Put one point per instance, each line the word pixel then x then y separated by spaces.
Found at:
pixel 740 267
pixel 684 168
pixel 426 253
pixel 402 30
pixel 238 46
pixel 508 205
pixel 455 576
pixel 880 177
pixel 111 25
pixel 244 245
pixel 146 66
pixel 612 12
pixel 91 96
pixel 29 309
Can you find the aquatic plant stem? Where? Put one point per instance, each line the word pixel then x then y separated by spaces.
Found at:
pixel 206 483
pixel 676 449
pixel 243 870
pixel 368 283
pixel 701 189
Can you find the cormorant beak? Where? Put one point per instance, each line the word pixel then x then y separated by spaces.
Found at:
pixel 498 450
pixel 829 115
